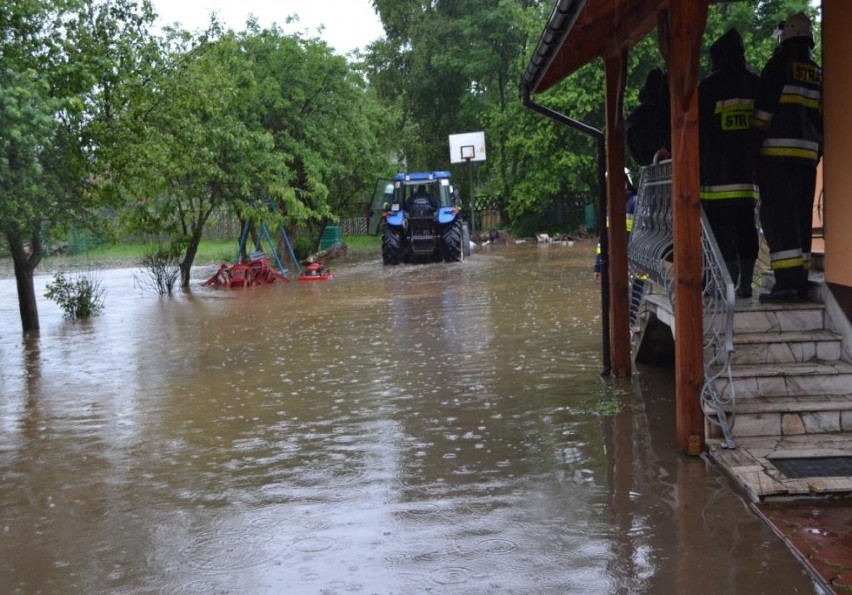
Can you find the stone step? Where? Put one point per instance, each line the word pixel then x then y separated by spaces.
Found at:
pixel 754 317
pixel 789 380
pixel 790 416
pixel 750 464
pixel 786 348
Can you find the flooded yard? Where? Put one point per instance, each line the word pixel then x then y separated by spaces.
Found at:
pixel 412 429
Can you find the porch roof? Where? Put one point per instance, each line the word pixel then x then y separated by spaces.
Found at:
pixel 578 31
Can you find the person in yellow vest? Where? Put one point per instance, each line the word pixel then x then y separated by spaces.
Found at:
pixel 637 285
pixel 631 209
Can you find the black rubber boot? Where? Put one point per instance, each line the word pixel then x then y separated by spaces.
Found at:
pixel 782 296
pixel 787 289
pixel 746 279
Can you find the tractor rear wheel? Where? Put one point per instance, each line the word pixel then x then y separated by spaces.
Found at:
pixel 391 246
pixel 452 239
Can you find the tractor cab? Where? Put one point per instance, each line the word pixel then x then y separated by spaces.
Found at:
pixel 422 221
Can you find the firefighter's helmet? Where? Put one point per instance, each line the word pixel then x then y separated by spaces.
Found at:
pixel 798 25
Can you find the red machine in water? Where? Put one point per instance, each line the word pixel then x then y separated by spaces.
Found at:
pixel 256 271
pixel 316 272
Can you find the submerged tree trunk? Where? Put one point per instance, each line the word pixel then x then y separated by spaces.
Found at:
pixel 189 258
pixel 25 265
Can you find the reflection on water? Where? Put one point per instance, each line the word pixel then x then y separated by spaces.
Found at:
pixel 398 430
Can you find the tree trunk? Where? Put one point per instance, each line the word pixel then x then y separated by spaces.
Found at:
pixel 25 266
pixel 188 259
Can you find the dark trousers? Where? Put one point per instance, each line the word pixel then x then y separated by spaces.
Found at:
pixel 786 211
pixel 734 225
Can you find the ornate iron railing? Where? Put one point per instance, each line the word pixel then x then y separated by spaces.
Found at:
pixel 650 255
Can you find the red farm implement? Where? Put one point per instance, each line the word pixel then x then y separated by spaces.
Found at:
pixel 257 271
pixel 256 268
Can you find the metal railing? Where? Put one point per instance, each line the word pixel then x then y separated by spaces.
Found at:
pixel 650 254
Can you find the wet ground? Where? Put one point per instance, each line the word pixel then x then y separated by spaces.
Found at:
pixel 412 429
pixel 819 532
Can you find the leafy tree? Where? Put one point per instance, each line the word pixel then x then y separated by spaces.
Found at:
pixel 330 131
pixel 58 58
pixel 187 146
pixel 273 127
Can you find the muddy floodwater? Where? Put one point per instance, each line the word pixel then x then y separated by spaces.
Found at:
pixel 411 429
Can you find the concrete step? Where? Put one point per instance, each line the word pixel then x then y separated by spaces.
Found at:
pixel 786 348
pixel 751 316
pixel 791 416
pixel 789 380
pixel 750 464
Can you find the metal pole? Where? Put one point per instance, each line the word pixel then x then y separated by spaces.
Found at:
pixel 472 200
pixel 604 241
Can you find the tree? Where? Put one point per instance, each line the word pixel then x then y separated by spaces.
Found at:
pixel 327 127
pixel 56 57
pixel 186 146
pixel 272 127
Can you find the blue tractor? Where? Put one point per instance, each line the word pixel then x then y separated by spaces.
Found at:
pixel 421 219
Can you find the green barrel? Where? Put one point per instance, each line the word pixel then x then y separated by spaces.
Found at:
pixel 591 219
pixel 330 237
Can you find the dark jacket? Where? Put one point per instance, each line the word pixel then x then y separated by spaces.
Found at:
pixel 788 105
pixel 725 106
pixel 648 127
pixel 421 203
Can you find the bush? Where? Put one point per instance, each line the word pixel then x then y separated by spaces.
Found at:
pixel 80 296
pixel 162 266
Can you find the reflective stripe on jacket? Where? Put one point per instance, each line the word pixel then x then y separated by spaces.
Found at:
pixel 729 191
pixel 788 106
pixel 725 105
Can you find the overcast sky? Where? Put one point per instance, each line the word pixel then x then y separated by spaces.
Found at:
pixel 349 24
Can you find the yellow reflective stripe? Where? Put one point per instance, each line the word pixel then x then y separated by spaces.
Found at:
pixel 789 152
pixel 598 249
pixel 786 264
pixel 786 259
pixel 629 222
pixel 799 100
pixel 709 195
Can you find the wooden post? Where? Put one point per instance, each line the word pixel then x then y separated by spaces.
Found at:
pixel 615 66
pixel 686 22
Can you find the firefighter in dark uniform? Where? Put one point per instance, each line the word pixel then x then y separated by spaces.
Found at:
pixel 729 192
pixel 788 119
